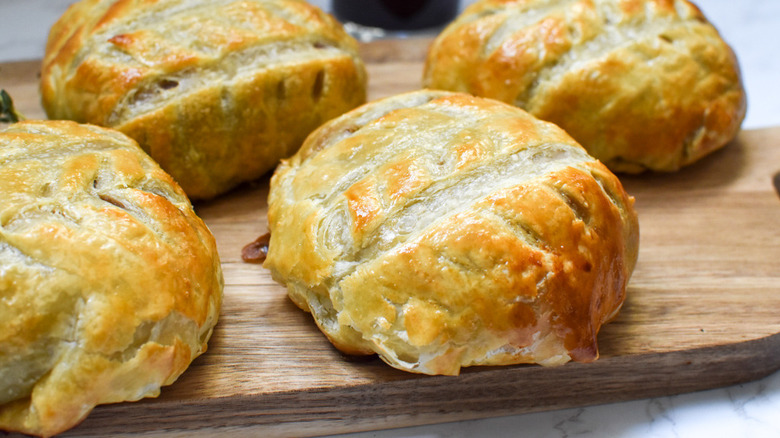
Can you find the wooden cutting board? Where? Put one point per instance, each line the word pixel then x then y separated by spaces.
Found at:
pixel 703 310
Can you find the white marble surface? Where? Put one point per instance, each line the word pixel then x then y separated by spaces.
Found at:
pixel 750 410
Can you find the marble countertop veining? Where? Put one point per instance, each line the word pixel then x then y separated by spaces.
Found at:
pixel 743 411
pixel 749 410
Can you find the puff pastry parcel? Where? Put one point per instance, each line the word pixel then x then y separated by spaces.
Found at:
pixel 442 230
pixel 215 91
pixel 641 84
pixel 110 285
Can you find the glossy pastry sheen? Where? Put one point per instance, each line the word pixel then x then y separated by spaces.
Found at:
pixel 442 230
pixel 641 84
pixel 216 91
pixel 110 285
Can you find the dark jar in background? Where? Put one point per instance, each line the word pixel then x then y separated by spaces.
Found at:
pixel 396 14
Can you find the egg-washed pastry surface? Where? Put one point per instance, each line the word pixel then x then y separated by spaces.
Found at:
pixel 442 230
pixel 641 84
pixel 110 285
pixel 215 91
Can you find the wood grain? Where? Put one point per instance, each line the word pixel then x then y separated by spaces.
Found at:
pixel 702 311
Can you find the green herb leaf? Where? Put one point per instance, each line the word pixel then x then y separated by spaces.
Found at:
pixel 8 113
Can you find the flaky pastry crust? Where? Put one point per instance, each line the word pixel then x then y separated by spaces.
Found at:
pixel 110 285
pixel 641 84
pixel 441 230
pixel 215 91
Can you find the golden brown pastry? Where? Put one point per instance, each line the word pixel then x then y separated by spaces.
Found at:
pixel 215 91
pixel 441 230
pixel 641 84
pixel 110 285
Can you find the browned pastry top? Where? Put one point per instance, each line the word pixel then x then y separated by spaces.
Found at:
pixel 110 285
pixel 216 91
pixel 441 230
pixel 641 84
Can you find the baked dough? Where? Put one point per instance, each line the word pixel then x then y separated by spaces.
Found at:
pixel 216 91
pixel 110 285
pixel 641 84
pixel 442 230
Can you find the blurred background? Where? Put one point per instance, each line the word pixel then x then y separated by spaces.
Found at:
pixel 751 27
